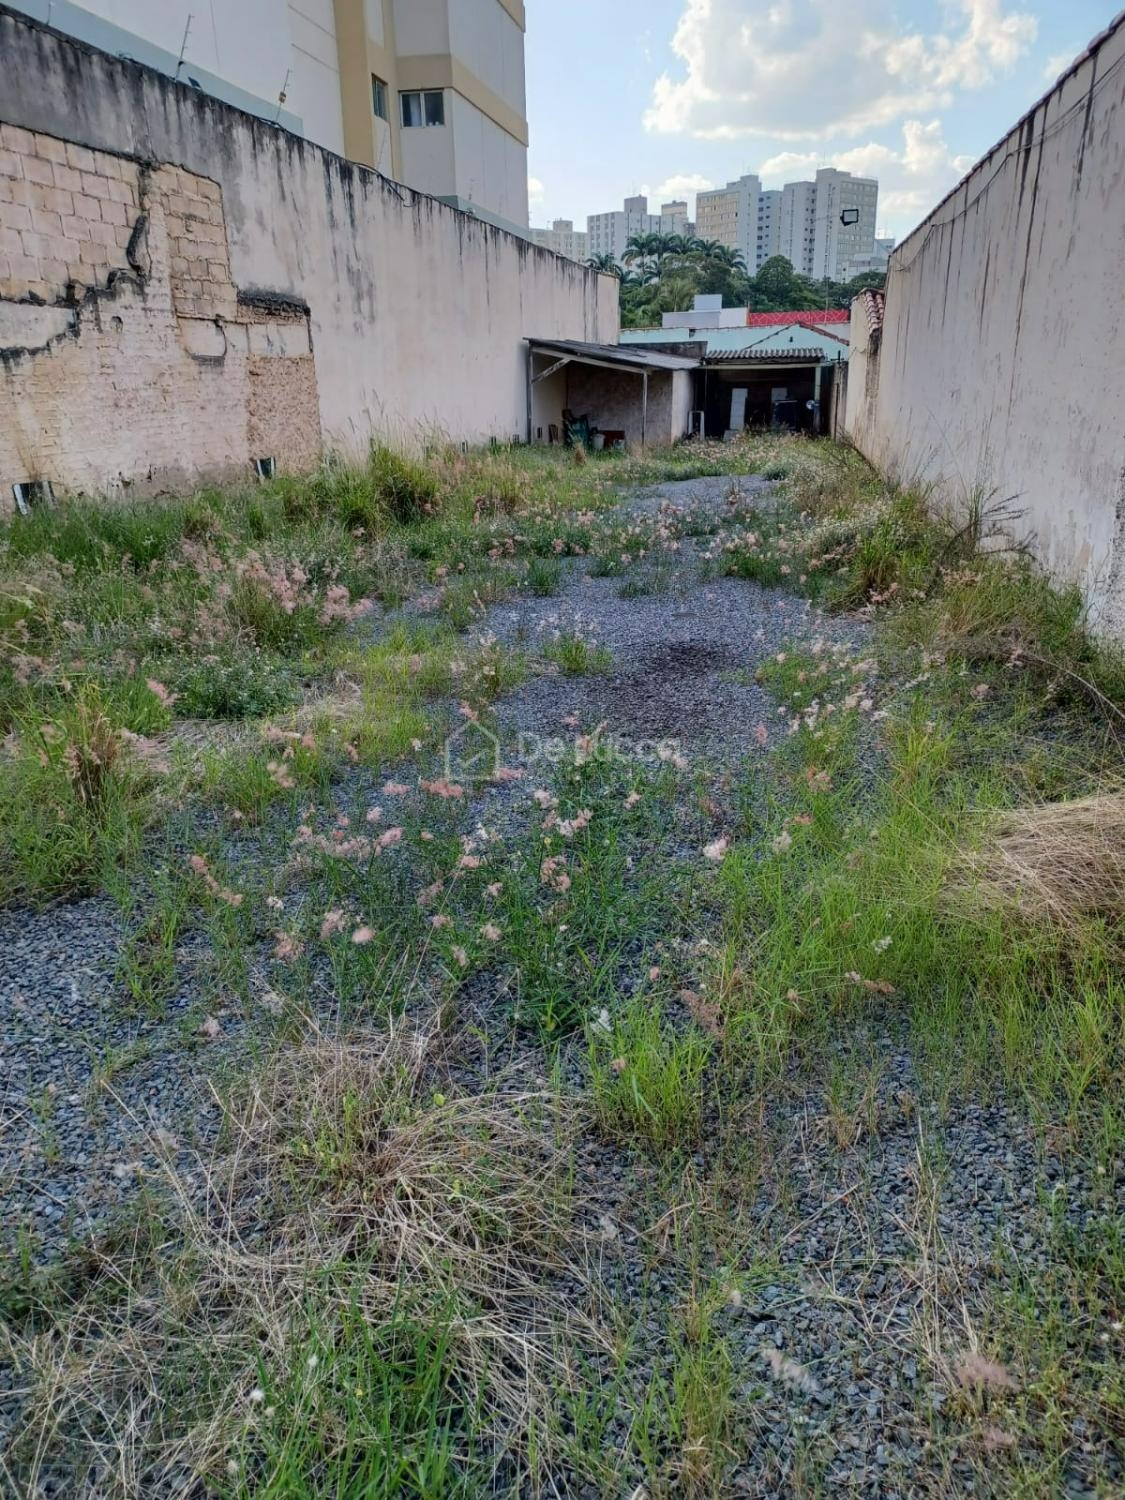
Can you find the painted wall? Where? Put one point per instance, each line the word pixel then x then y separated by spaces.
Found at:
pixel 1002 361
pixel 490 165
pixel 488 40
pixel 314 83
pixel 416 313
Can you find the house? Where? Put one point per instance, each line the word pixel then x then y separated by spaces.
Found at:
pixel 755 369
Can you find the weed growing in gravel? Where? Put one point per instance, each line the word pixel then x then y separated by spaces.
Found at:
pixel 646 1077
pixel 74 798
pixel 577 657
pixel 543 575
pixel 584 899
pixel 649 581
pixel 398 1326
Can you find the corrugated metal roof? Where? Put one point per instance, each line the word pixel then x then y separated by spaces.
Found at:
pixel 731 340
pixel 788 356
pixel 632 357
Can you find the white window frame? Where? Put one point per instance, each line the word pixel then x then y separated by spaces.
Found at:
pixel 423 96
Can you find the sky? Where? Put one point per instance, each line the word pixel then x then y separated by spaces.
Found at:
pixel 670 96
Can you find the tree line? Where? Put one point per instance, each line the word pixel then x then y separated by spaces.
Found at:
pixel 664 273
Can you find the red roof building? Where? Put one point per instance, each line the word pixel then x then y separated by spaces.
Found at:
pixel 806 318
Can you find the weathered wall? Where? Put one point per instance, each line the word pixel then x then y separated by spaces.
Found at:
pixel 158 252
pixel 1002 358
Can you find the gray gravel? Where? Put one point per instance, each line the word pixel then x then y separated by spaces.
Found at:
pixel 850 1256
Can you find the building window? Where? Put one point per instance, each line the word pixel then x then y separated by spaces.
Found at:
pixel 425 108
pixel 379 97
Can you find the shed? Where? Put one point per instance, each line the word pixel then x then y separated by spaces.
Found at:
pixel 773 386
pixel 642 395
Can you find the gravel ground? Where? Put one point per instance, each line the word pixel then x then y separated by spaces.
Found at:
pixel 854 1256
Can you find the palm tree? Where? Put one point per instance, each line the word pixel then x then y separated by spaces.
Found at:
pixel 643 247
pixel 606 263
pixel 719 254
pixel 678 245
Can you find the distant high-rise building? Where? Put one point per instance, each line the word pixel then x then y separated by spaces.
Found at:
pixel 674 219
pixel 769 227
pixel 857 265
pixel 732 216
pixel 844 221
pixel 797 225
pixel 813 234
pixel 610 233
pixel 563 239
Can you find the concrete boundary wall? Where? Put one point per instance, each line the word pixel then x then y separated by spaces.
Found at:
pixel 999 366
pixel 185 287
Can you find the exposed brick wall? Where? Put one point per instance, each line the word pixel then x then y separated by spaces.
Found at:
pixel 284 411
pixel 419 313
pixel 197 244
pixel 66 214
pixel 125 354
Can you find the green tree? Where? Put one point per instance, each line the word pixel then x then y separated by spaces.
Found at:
pixel 604 262
pixel 778 288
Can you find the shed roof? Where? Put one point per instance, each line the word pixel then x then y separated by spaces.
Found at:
pixel 808 355
pixel 731 340
pixel 628 357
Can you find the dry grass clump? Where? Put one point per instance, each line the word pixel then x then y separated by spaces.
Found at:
pixel 369 1279
pixel 1057 863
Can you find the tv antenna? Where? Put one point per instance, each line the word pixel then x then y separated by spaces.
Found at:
pixel 183 45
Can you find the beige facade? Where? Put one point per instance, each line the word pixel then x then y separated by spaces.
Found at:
pixel 396 55
pixel 184 288
pixel 352 76
pixel 998 370
pixel 563 239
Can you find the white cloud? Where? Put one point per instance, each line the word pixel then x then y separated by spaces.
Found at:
pixel 536 193
pixel 809 69
pixel 911 180
pixel 682 185
pixel 1058 63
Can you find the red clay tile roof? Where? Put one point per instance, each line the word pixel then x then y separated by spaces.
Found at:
pixel 873 304
pixel 808 319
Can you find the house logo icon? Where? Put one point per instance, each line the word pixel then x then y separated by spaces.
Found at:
pixel 472 753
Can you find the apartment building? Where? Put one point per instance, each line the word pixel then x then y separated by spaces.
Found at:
pixel 857 265
pixel 563 239
pixel 429 92
pixel 844 221
pixel 768 240
pixel 735 215
pixel 812 234
pixel 610 233
pixel 797 225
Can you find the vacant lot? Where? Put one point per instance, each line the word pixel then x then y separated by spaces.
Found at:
pixel 524 975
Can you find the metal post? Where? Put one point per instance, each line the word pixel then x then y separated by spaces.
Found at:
pixel 818 429
pixel 530 432
pixel 644 407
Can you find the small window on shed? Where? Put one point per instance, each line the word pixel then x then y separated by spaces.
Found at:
pixel 379 97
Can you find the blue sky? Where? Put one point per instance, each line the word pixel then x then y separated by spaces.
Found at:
pixel 666 95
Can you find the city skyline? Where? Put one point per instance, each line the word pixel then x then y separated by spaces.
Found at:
pixel 685 95
pixel 804 221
